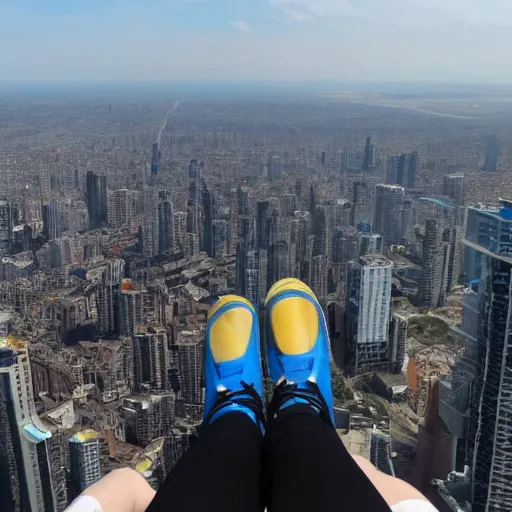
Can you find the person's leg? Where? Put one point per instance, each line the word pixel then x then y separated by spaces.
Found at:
pixel 306 466
pixel 222 471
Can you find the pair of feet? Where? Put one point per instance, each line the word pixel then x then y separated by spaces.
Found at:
pixel 297 346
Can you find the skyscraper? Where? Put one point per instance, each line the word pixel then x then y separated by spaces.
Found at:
pixel 454 188
pixel 289 204
pixel 252 279
pixel 442 251
pixel 155 159
pixel 9 217
pixel 52 221
pixel 220 237
pixel 318 276
pixel 320 231
pixel 209 215
pixel 120 210
pixel 491 158
pixel 262 209
pixel 96 199
pixel 84 461
pixel 151 361
pixel 243 201
pixel 28 480
pixel 165 223
pixel 369 313
pixel 312 202
pixel 362 207
pixel 370 244
pixel 490 266
pixel 369 155
pixel 148 417
pixel 193 170
pixel 246 242
pixel 387 220
pixel 274 168
pixel 278 266
pixel 432 288
pixel 301 226
pixel 131 304
pixel 108 298
pixel 402 170
pixel 179 230
pixel 190 348
pixel 158 222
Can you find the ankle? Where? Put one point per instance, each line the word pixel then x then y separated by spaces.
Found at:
pixel 291 397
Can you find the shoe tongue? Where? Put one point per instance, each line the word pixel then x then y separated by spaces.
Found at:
pixel 297 368
pixel 230 369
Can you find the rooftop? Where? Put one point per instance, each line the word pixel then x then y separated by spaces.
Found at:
pixel 84 435
pixel 375 260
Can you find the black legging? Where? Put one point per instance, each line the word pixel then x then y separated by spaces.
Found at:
pixel 301 465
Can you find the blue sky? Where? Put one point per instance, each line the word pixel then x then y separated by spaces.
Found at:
pixel 228 40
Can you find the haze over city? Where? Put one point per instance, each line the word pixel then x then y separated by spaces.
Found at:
pixel 226 40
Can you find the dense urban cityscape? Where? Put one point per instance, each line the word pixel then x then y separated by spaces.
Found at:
pixel 123 218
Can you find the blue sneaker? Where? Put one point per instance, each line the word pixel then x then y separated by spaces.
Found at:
pixel 298 349
pixel 234 380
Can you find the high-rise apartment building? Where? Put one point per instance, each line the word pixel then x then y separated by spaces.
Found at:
pixel 108 299
pixel 179 230
pixel 369 313
pixel 132 310
pixel 442 252
pixel 190 347
pixel 489 241
pixel 53 225
pixel 252 279
pixel 278 266
pixel 220 237
pixel 262 210
pixel 454 188
pixel 84 461
pixel 318 276
pixel 165 223
pixel 209 215
pixel 121 207
pixel 275 168
pixel 9 217
pixel 96 199
pixel 369 155
pixel 289 205
pixel 362 207
pixel 193 169
pixel 321 232
pixel 492 155
pixel 370 244
pixel 30 478
pixel 158 222
pixel 387 220
pixel 148 417
pixel 402 170
pixel 244 205
pixel 151 361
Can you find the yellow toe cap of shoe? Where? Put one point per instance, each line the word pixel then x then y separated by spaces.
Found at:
pixel 231 331
pixel 295 324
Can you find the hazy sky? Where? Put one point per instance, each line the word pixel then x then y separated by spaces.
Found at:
pixel 222 40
